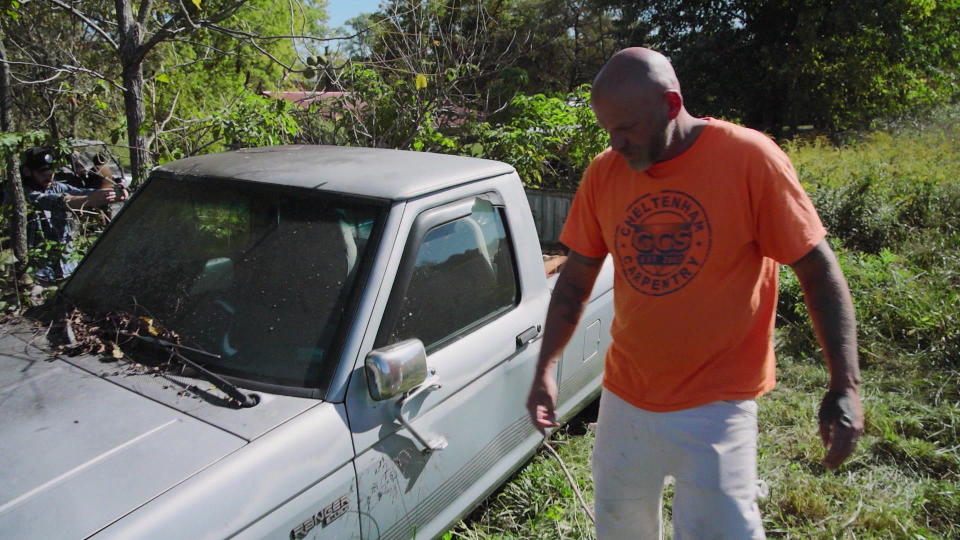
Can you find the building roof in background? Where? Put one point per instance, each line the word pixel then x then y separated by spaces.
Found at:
pixel 304 98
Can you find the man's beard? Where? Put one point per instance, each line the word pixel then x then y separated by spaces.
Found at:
pixel 653 151
pixel 32 181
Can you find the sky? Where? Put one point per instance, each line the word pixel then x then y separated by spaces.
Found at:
pixel 341 10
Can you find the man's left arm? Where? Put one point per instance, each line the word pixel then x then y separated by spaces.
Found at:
pixel 831 310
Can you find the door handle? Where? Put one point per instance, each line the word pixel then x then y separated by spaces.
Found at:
pixel 528 335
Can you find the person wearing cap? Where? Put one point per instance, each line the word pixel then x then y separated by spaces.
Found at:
pixel 51 204
pixel 696 214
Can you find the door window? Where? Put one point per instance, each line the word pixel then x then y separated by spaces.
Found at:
pixel 463 276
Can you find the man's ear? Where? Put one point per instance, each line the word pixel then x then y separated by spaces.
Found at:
pixel 674 103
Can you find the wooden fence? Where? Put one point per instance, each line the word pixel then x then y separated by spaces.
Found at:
pixel 550 210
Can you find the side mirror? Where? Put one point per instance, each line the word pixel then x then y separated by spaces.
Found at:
pixel 395 369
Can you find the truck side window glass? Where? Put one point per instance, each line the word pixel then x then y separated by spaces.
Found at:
pixel 463 276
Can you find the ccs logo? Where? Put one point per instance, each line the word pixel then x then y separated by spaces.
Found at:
pixel 663 242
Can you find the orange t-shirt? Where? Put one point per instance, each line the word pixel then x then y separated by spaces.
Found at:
pixel 695 243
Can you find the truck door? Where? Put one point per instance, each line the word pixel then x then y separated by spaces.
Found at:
pixel 458 290
pixel 581 366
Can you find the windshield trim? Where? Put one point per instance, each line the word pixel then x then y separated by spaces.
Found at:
pixel 351 302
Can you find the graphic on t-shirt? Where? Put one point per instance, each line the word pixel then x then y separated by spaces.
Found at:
pixel 663 242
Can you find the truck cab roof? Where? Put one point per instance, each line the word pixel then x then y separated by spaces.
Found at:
pixel 368 172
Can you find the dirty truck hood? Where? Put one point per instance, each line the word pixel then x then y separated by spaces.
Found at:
pixel 78 451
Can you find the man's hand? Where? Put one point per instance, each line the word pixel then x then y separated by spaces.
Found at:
pixel 101 197
pixel 94 199
pixel 541 403
pixel 570 294
pixel 841 424
pixel 827 296
pixel 120 193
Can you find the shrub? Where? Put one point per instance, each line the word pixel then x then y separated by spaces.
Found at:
pixel 860 215
pixel 890 203
pixel 549 139
pixel 901 310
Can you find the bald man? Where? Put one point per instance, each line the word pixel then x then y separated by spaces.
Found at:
pixel 696 214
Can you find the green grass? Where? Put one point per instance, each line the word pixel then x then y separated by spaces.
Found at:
pixel 903 482
pixel 891 201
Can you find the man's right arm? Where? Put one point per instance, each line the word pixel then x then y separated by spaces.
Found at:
pixel 74 198
pixel 570 295
pixel 94 198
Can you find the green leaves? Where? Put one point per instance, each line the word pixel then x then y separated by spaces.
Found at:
pixel 890 202
pixel 10 9
pixel 317 61
pixel 7 257
pixel 9 140
pixel 549 139
pixel 12 142
pixel 255 121
pixel 837 66
pixel 315 66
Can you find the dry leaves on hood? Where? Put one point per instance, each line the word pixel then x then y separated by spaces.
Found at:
pixel 87 334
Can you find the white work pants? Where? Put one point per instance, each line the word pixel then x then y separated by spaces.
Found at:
pixel 710 451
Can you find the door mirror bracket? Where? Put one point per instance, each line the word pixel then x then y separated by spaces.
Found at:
pixel 436 443
pixel 400 369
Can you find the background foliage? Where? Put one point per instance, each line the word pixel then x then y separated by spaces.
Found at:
pixel 775 65
pixel 862 95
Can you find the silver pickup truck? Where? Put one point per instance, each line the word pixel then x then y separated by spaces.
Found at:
pixel 356 331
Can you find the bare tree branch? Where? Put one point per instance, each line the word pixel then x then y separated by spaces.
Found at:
pixel 56 75
pixel 186 15
pixel 93 26
pixel 146 8
pixel 167 31
pixel 233 32
pixel 170 28
pixel 173 106
pixel 59 70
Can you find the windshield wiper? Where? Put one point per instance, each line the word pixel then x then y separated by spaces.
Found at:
pixel 225 386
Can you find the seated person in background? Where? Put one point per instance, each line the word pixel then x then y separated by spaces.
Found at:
pixel 86 170
pixel 49 202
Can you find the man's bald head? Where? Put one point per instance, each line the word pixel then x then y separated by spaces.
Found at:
pixel 636 70
pixel 636 99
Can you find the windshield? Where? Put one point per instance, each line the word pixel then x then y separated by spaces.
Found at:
pixel 260 275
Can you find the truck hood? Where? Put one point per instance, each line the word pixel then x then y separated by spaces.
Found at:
pixel 78 451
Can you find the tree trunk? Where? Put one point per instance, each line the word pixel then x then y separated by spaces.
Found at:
pixel 131 58
pixel 133 104
pixel 13 187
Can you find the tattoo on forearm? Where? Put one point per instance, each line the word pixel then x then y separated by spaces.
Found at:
pixel 568 299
